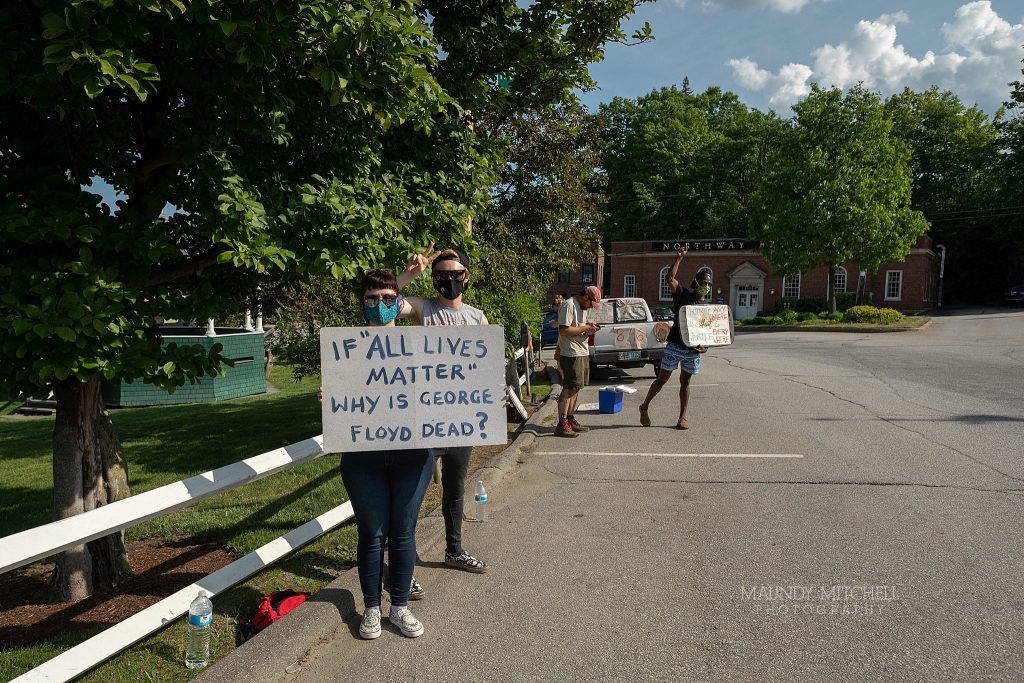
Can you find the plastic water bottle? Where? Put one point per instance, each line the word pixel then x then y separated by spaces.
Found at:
pixel 200 624
pixel 481 502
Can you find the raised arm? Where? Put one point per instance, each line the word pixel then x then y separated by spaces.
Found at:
pixel 673 283
pixel 416 265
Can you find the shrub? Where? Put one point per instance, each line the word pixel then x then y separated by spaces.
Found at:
pixel 861 314
pixel 887 316
pixel 804 317
pixel 798 305
pixel 835 317
pixel 824 315
pixel 756 320
pixel 774 320
pixel 845 301
pixel 788 315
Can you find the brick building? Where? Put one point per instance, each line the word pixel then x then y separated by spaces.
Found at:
pixel 589 271
pixel 745 281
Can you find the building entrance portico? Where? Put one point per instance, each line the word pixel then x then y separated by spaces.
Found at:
pixel 746 290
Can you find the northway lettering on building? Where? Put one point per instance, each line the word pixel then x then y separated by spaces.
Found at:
pixel 707 245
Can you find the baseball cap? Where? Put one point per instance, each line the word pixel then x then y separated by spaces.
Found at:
pixel 594 294
pixel 453 255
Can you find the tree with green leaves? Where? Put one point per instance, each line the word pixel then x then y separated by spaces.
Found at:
pixel 954 163
pixel 838 188
pixel 1010 225
pixel 247 141
pixel 682 165
pixel 543 212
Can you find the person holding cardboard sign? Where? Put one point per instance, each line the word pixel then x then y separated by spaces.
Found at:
pixel 386 490
pixel 451 277
pixel 676 353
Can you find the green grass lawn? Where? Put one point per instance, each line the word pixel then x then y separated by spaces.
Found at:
pixel 164 445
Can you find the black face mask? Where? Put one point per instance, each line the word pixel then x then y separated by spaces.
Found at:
pixel 450 289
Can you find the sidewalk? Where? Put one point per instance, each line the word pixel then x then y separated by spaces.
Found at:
pixel 279 652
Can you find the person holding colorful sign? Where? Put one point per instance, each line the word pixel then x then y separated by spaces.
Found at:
pixel 386 489
pixel 678 354
pixel 451 278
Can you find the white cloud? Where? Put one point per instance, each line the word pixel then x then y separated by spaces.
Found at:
pixel 899 17
pixel 777 5
pixel 982 55
pixel 786 87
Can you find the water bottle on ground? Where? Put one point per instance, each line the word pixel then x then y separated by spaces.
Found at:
pixel 200 624
pixel 481 502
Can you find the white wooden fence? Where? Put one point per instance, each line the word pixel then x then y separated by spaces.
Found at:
pixel 20 549
pixel 28 546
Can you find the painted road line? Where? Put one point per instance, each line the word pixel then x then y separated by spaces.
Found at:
pixel 681 455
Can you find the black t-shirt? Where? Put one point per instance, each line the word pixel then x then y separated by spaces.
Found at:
pixel 680 297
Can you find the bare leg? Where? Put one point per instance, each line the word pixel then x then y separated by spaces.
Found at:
pixel 567 401
pixel 663 377
pixel 684 396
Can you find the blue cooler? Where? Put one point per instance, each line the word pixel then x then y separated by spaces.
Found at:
pixel 610 400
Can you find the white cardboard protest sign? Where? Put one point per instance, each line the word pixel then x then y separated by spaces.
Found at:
pixel 393 388
pixel 709 325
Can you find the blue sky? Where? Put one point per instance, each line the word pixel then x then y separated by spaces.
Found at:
pixel 769 51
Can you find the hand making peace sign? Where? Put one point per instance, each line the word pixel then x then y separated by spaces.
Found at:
pixel 419 262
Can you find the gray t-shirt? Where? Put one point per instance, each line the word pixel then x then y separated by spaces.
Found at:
pixel 435 313
pixel 572 314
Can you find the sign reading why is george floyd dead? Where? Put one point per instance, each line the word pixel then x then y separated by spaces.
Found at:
pixel 412 387
pixel 706 325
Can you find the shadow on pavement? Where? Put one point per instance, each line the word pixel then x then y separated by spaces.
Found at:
pixel 966 419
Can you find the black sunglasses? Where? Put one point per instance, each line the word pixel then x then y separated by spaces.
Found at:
pixel 455 275
pixel 371 300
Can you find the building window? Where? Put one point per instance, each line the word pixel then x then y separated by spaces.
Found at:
pixel 629 285
pixel 563 277
pixel 664 293
pixel 839 285
pixel 893 285
pixel 791 286
pixel 588 273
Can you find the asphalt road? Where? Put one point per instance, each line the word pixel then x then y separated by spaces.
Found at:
pixel 886 546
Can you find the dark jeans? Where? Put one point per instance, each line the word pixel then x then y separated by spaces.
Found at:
pixel 454 465
pixel 386 489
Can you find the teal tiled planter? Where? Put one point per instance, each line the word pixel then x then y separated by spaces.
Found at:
pixel 244 379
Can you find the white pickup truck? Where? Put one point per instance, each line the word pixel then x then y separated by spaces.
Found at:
pixel 629 336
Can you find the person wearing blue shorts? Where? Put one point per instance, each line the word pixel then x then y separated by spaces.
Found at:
pixel 676 353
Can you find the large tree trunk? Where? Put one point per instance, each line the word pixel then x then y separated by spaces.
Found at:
pixel 89 470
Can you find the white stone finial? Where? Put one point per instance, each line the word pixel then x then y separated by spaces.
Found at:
pixel 210 332
pixel 248 321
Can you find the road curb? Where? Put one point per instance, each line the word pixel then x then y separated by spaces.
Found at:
pixel 277 653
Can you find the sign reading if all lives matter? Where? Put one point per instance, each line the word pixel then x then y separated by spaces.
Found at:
pixel 706 325
pixel 412 387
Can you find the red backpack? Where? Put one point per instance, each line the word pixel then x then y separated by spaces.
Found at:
pixel 271 608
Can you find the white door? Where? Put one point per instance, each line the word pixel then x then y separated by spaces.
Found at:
pixel 747 304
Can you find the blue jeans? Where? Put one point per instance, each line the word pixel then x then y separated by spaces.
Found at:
pixel 386 489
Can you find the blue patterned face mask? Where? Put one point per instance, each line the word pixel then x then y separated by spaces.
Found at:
pixel 376 310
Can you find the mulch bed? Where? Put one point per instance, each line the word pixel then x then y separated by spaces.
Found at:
pixel 161 568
